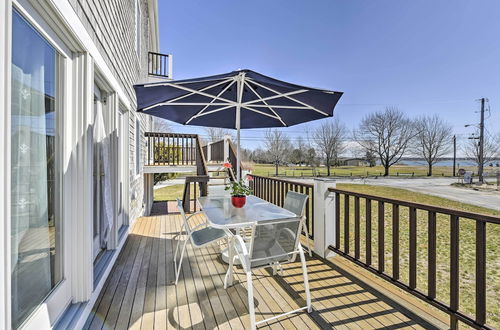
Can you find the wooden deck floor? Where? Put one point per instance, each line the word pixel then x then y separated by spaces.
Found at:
pixel 140 294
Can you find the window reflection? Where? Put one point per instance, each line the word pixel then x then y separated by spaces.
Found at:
pixel 35 222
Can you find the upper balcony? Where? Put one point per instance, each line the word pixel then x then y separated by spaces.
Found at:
pixel 160 66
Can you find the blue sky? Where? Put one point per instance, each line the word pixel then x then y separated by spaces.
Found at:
pixel 425 57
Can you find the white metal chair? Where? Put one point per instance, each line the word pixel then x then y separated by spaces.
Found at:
pixel 296 203
pixel 272 244
pixel 200 236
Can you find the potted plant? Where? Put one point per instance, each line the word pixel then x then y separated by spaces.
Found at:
pixel 239 192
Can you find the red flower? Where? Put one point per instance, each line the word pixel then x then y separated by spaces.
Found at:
pixel 228 165
pixel 249 177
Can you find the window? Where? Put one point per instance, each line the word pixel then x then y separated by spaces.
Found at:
pixel 35 172
pixel 137 146
pixel 138 27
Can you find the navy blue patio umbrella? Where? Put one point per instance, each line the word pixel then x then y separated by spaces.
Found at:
pixel 237 100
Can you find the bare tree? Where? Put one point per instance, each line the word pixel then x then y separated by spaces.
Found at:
pixel 387 134
pixel 161 125
pixel 278 145
pixel 298 154
pixel 491 149
pixel 216 134
pixel 433 139
pixel 329 138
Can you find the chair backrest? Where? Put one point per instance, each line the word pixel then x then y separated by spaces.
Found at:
pixel 275 240
pixel 183 214
pixel 296 203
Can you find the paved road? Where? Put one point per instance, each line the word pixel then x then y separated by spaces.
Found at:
pixel 435 186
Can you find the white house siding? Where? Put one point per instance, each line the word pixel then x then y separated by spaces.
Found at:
pixel 112 27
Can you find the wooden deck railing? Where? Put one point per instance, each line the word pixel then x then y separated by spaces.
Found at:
pixel 348 221
pixel 160 65
pixel 217 151
pixel 274 191
pixel 171 149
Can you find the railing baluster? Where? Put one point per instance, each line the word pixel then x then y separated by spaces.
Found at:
pixel 395 241
pixel 480 272
pixel 282 193
pixel 413 248
pixel 356 227
pixel 431 260
pixel 368 231
pixel 179 147
pixel 381 237
pixel 454 268
pixel 275 188
pixel 346 224
pixel 308 219
pixel 337 220
pixel 164 153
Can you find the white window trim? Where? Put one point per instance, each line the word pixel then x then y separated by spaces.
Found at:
pixel 138 29
pixel 137 150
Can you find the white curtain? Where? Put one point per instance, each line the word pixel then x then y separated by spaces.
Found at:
pixel 106 208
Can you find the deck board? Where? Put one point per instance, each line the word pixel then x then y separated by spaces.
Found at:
pixel 140 291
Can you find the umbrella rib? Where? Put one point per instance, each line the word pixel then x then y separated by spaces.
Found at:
pixel 262 113
pixel 184 96
pixel 183 82
pixel 291 98
pixel 211 102
pixel 278 94
pixel 268 106
pixel 212 111
pixel 194 91
pixel 282 106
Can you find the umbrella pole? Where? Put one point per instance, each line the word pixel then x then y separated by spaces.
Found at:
pixel 238 123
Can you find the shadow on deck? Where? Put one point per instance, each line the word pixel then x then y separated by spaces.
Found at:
pixel 140 293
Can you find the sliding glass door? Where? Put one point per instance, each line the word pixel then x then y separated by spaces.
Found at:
pixel 36 258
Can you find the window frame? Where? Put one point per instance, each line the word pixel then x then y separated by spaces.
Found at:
pixel 138 29
pixel 60 294
pixel 137 147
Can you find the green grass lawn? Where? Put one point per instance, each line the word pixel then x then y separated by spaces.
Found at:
pixel 402 170
pixel 170 193
pixel 467 245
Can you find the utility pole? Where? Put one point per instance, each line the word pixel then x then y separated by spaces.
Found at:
pixel 454 155
pixel 481 143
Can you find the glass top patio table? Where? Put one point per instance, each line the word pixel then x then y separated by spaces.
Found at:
pixel 222 214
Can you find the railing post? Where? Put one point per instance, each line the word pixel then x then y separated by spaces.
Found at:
pixel 324 212
pixel 209 152
pixel 227 138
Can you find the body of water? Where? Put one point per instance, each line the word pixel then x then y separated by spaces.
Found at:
pixel 460 163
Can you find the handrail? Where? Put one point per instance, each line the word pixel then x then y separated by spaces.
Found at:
pixel 343 218
pixel 426 207
pixel 274 191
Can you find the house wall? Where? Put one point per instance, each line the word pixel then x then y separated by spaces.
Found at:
pixel 109 24
pixel 96 40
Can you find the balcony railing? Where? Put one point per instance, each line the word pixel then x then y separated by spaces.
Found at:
pixel 160 65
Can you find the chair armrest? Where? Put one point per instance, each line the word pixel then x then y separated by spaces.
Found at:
pixel 244 256
pixel 192 215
